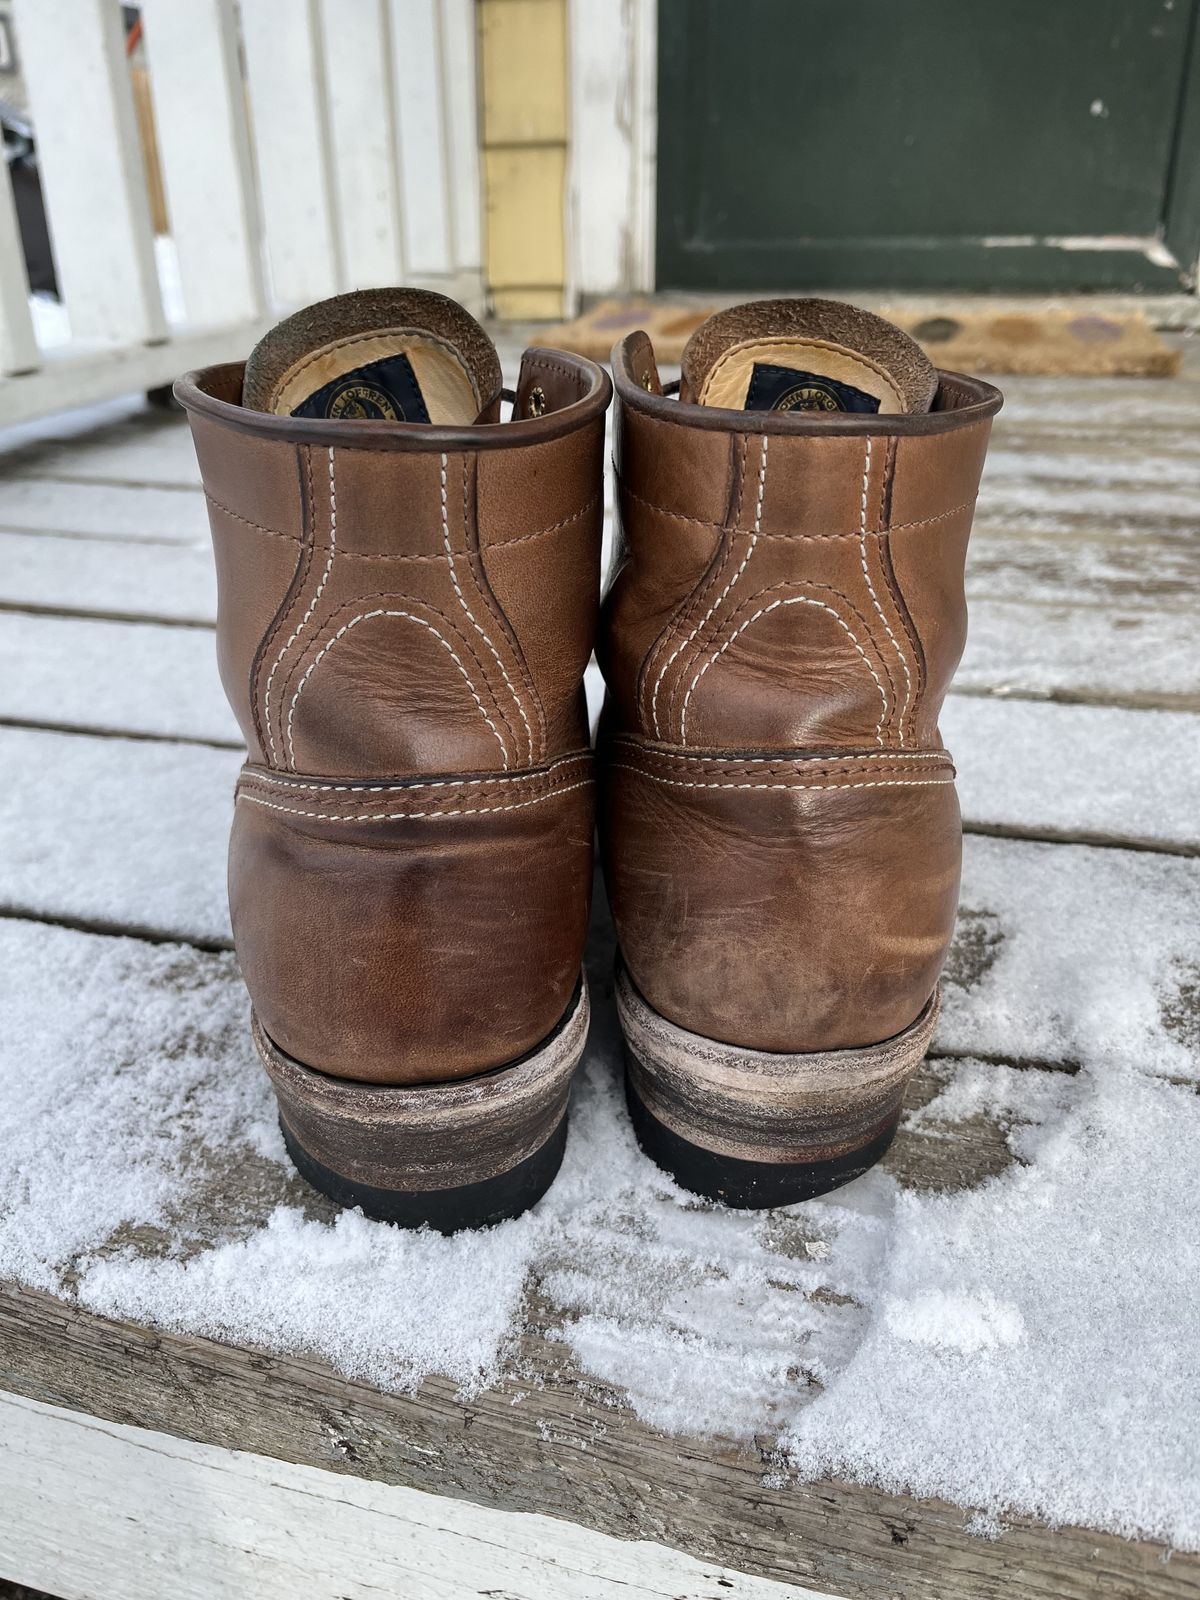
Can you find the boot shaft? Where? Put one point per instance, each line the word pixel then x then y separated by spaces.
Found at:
pixel 778 820
pixel 397 600
pixel 788 582
pixel 405 611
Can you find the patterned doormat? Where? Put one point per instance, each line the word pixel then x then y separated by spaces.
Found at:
pixel 1053 341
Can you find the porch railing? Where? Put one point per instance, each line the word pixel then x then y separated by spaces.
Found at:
pixel 306 146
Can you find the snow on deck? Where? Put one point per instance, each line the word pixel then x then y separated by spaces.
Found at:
pixel 1004 1315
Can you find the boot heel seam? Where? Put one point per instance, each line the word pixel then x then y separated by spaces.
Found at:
pixel 415 816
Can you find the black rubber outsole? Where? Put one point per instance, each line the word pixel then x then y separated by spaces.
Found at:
pixel 747 1185
pixel 472 1205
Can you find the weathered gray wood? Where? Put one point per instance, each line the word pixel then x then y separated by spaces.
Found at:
pixel 1084 567
pixel 1151 570
pixel 115 833
pixel 149 515
pixel 50 573
pixel 1100 655
pixel 567 1447
pixel 113 677
pixel 122 441
pixel 1134 775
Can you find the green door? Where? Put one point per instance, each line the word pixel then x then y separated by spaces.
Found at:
pixel 987 144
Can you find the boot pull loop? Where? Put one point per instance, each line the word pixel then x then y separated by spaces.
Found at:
pixel 547 384
pixel 643 365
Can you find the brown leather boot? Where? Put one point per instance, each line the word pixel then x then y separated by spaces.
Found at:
pixel 407 602
pixel 779 825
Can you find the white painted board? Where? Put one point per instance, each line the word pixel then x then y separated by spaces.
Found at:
pixel 98 1508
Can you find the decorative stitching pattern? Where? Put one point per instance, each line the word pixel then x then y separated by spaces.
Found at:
pixel 870 783
pixel 701 522
pixel 909 630
pixel 540 533
pixel 650 505
pixel 709 578
pixel 398 556
pixel 695 757
pixel 259 527
pixel 716 605
pixel 419 816
pixel 813 767
pixel 365 616
pixel 462 601
pixel 862 553
pixel 791 600
pixel 296 632
pixel 276 781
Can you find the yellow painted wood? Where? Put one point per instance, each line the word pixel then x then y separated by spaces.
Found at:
pixel 523 46
pixel 523 128
pixel 528 305
pixel 525 188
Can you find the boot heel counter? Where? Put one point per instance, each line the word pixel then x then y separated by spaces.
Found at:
pixel 782 903
pixel 412 932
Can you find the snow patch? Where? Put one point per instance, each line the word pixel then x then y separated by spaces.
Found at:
pixel 986 1345
pixel 947 1319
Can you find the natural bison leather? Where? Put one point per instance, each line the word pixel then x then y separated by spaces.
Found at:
pixel 405 612
pixel 779 826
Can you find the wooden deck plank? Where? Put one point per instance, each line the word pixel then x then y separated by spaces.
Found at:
pixel 167 1517
pixel 1094 773
pixel 113 677
pixel 1154 571
pixel 134 512
pixel 555 1448
pixel 149 447
pixel 116 832
pixel 1069 509
pixel 1099 655
pixel 1080 406
pixel 553 1431
pixel 45 572
pixel 1065 954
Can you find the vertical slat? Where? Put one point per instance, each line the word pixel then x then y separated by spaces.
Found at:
pixel 18 345
pixel 644 116
pixel 204 141
pixel 290 119
pixel 611 184
pixel 462 131
pixel 358 76
pixel 424 174
pixel 92 175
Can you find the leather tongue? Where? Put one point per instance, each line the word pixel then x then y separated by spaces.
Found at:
pixel 805 355
pixel 391 355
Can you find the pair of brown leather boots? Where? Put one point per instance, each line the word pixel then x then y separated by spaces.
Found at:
pixel 408 598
